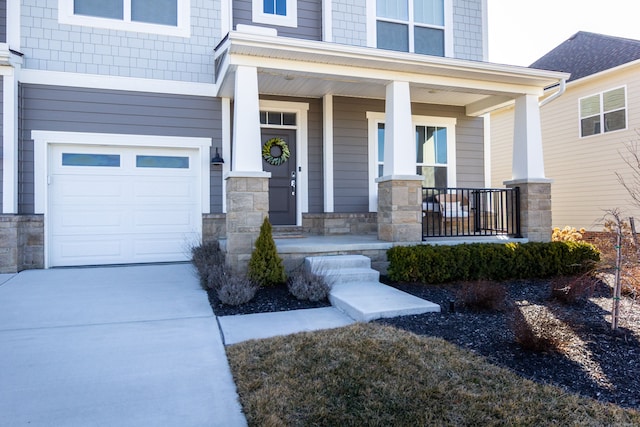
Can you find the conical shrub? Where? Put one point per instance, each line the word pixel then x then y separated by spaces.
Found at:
pixel 265 265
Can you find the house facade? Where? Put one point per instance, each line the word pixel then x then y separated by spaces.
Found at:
pixel 116 116
pixel 585 132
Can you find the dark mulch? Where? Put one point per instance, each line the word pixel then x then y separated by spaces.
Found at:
pixel 273 298
pixel 594 361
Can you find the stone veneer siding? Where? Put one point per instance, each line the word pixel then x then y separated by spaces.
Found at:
pixel 400 210
pixel 535 209
pixel 21 242
pixel 335 224
pixel 247 206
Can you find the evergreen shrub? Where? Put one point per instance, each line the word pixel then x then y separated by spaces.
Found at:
pixel 265 265
pixel 489 261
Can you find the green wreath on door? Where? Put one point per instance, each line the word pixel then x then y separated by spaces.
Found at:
pixel 279 159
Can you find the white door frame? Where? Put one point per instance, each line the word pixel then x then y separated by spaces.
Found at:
pixel 44 139
pixel 302 139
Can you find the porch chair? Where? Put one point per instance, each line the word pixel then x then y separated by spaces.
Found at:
pixel 455 216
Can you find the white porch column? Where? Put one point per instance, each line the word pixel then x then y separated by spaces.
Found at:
pixel 246 122
pixel 528 162
pixel 327 146
pixel 399 138
pixel 10 141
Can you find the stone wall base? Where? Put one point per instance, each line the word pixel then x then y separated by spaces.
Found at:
pixel 21 242
pixel 400 210
pixel 336 224
pixel 214 227
pixel 535 209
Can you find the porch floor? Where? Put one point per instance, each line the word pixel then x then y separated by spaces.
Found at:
pixel 309 243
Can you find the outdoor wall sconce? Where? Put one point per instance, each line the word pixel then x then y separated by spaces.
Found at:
pixel 217 160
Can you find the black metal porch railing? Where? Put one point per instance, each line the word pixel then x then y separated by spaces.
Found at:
pixel 465 212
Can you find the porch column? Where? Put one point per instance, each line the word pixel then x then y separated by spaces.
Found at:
pixel 400 188
pixel 528 171
pixel 247 185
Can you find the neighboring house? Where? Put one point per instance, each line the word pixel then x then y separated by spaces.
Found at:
pixel 584 131
pixel 113 111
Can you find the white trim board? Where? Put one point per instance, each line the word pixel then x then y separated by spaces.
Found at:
pixel 134 84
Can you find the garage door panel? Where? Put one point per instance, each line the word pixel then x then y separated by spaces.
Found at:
pixel 124 214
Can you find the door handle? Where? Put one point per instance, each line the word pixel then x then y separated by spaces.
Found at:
pixel 293 187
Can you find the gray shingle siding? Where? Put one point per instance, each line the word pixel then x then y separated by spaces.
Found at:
pixel 3 21
pixel 309 19
pixel 468 31
pixel 48 45
pixel 93 110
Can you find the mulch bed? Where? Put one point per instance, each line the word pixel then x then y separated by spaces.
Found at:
pixel 593 361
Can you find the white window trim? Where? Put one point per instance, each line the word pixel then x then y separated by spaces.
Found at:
pixel 374 118
pixel 290 20
pixel 302 157
pixel 602 113
pixel 448 27
pixel 183 29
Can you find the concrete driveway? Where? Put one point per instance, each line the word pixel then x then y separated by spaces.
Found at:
pixel 113 346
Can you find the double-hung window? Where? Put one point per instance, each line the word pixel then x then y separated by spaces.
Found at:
pixel 275 12
pixel 168 17
pixel 416 26
pixel 435 150
pixel 603 112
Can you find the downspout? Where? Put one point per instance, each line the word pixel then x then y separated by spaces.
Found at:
pixel 560 91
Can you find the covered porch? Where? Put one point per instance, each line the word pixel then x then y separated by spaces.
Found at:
pixel 341 166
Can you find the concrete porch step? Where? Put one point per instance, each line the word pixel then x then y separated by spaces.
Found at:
pixel 366 301
pixel 356 289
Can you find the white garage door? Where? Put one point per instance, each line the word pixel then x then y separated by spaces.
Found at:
pixel 115 205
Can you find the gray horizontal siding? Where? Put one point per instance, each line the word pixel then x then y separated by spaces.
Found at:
pixel 1 140
pixel 309 19
pixel 351 185
pixel 351 153
pixel 55 108
pixel 3 21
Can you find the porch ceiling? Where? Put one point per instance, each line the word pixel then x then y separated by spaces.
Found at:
pixel 300 68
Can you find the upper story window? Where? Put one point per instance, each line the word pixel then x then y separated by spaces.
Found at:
pixel 275 12
pixel 603 112
pixel 416 26
pixel 167 17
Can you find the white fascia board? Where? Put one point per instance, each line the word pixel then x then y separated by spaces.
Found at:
pixel 383 76
pixel 338 54
pixel 134 84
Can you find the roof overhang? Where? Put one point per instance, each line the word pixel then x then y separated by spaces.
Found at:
pixel 301 68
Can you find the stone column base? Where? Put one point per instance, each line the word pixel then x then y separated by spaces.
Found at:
pixel 400 209
pixel 247 206
pixel 535 208
pixel 21 242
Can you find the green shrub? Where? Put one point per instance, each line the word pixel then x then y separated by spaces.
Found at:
pixel 489 261
pixel 265 265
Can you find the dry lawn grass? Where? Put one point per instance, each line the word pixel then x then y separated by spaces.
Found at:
pixel 374 375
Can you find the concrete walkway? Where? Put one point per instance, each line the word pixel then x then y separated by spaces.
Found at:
pixel 114 346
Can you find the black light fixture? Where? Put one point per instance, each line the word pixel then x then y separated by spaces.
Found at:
pixel 217 160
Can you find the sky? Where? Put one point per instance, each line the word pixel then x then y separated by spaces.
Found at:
pixel 521 31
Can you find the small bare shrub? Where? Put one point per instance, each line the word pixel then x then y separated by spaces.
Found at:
pixel 631 282
pixel 207 258
pixel 236 290
pixel 573 289
pixel 537 329
pixel 305 285
pixel 482 295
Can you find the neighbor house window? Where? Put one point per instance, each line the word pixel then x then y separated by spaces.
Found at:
pixel 275 12
pixel 169 17
pixel 603 112
pixel 435 151
pixel 416 26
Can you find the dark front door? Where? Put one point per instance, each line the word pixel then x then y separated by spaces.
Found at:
pixel 282 190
